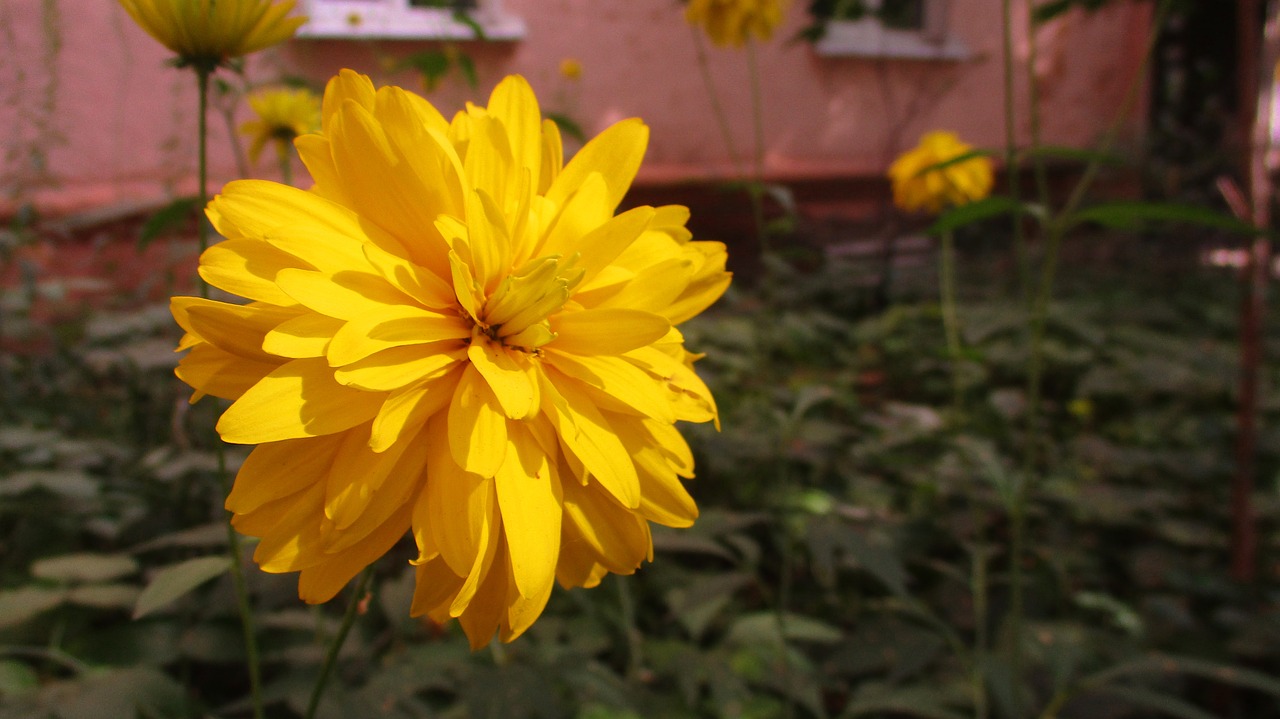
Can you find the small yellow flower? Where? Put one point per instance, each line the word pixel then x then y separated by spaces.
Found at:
pixel 208 33
pixel 571 68
pixel 283 114
pixel 918 187
pixel 453 335
pixel 729 23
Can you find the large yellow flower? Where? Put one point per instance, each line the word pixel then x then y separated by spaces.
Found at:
pixel 283 114
pixel 729 23
pixel 207 33
pixel 918 184
pixel 453 334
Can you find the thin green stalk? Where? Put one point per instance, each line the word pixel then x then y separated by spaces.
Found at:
pixel 233 538
pixel 1033 112
pixel 202 232
pixel 978 589
pixel 950 317
pixel 286 166
pixel 757 127
pixel 331 657
pixel 627 608
pixel 1011 153
pixel 234 548
pixel 704 67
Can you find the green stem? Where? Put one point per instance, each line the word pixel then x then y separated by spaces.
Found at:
pixel 331 657
pixel 627 608
pixel 233 538
pixel 950 318
pixel 286 166
pixel 757 128
pixel 202 231
pixel 717 109
pixel 978 589
pixel 1033 113
pixel 234 548
pixel 1011 153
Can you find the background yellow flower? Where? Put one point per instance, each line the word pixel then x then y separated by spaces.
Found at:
pixel 452 334
pixel 729 23
pixel 571 68
pixel 282 114
pixel 207 33
pixel 918 187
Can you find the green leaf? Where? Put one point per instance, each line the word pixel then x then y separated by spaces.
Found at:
pixel 71 483
pixel 962 157
pixel 915 701
pixel 984 209
pixel 104 596
pixel 468 68
pixel 17 678
pixel 85 567
pixel 432 65
pixel 1130 215
pixel 763 628
pixel 177 580
pixel 464 18
pixel 1072 153
pixel 1166 664
pixel 1163 703
pixel 567 125
pixel 169 218
pixel 19 605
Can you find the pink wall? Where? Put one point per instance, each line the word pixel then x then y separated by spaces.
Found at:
pixel 115 123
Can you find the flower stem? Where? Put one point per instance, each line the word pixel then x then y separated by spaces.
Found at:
pixel 950 318
pixel 242 597
pixel 331 657
pixel 757 155
pixel 717 109
pixel 1011 153
pixel 627 608
pixel 286 167
pixel 233 538
pixel 202 231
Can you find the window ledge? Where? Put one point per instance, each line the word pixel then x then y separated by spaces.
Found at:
pixel 396 20
pixel 869 38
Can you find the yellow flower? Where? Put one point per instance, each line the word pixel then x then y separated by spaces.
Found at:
pixel 452 334
pixel 917 187
pixel 283 114
pixel 571 68
pixel 729 23
pixel 207 33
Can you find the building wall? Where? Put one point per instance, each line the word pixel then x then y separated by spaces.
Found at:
pixel 90 113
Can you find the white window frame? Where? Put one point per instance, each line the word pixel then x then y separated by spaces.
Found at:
pixel 397 20
pixel 868 37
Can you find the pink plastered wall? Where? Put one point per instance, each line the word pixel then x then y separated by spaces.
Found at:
pixel 92 114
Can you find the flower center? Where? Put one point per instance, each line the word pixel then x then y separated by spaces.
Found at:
pixel 516 313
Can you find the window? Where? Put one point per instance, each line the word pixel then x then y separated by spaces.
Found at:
pixel 410 20
pixel 907 29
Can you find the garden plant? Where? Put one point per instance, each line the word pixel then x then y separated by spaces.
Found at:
pixel 459 431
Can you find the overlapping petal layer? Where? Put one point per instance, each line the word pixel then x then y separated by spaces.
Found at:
pixel 207 33
pixel 453 334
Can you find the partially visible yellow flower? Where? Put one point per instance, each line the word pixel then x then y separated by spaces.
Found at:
pixel 917 187
pixel 571 68
pixel 452 334
pixel 283 114
pixel 207 33
pixel 729 23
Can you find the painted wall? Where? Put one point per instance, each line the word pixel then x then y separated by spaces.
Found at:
pixel 90 113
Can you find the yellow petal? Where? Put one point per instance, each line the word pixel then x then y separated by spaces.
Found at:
pixel 477 426
pixel 319 583
pixel 220 373
pixel 509 374
pixel 529 496
pixel 585 433
pixel 278 469
pixel 620 380
pixel 248 268
pixel 346 295
pixel 300 399
pixel 392 326
pixel 407 409
pixel 608 331
pixel 304 336
pixel 398 367
pixel 615 153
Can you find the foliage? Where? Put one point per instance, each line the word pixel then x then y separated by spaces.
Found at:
pixel 849 560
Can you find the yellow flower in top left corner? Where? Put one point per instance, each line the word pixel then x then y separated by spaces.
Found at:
pixel 207 33
pixel 453 334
